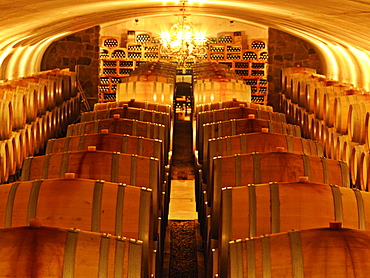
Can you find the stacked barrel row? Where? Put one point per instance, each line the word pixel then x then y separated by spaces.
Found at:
pixel 333 113
pixel 32 110
pixel 108 180
pixel 258 177
pixel 213 82
pixel 153 82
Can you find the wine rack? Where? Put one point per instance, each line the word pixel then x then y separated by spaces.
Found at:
pixel 212 40
pixel 249 55
pixel 232 56
pixel 258 73
pixel 104 54
pixel 150 55
pixel 231 48
pixel 258 44
pixel 242 72
pixel 152 48
pixel 225 39
pixel 217 56
pixel 134 55
pixel 125 72
pixel 109 71
pixel 248 59
pixel 127 64
pixel 251 82
pixel 104 81
pixel 258 65
pixel 118 54
pixel 216 48
pixel 110 42
pixel 109 64
pixel 142 38
pixel 263 56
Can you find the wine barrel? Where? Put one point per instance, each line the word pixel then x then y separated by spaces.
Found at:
pixel 308 101
pixel 121 126
pixel 308 84
pixel 308 125
pixel 233 113
pixel 35 133
pixel 70 81
pixel 343 148
pixel 19 107
pixel 128 113
pixel 292 84
pixel 239 126
pixel 331 143
pixel 325 104
pixel 27 139
pixel 341 108
pixel 306 253
pixel 6 119
pixel 133 103
pixel 254 210
pixel 357 120
pixel 110 142
pixel 32 103
pixel 251 142
pixel 98 165
pixel 156 92
pixel 220 90
pixel 139 114
pixel 287 71
pixel 229 104
pixel 84 204
pixel 4 162
pixel 53 84
pixel 12 160
pixel 20 148
pixel 57 252
pixel 354 165
pixel 35 87
pixel 268 167
pixel 30 94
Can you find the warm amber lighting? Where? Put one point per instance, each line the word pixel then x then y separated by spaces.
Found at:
pixel 183 41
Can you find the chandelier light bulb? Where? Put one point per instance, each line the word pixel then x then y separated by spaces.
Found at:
pixel 183 41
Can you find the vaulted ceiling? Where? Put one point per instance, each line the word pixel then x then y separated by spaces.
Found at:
pixel 340 28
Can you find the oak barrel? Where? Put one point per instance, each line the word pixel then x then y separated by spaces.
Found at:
pixel 98 165
pixel 123 126
pixel 18 105
pixel 341 108
pixel 4 161
pixel 308 253
pixel 251 142
pixel 6 119
pixel 254 210
pixel 97 206
pixel 239 126
pixel 57 252
pixel 133 103
pixel 270 167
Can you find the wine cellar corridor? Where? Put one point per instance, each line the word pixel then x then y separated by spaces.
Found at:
pixel 185 139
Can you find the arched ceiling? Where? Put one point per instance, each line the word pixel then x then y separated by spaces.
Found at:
pixel 340 28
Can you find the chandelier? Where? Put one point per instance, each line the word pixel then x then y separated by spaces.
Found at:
pixel 183 42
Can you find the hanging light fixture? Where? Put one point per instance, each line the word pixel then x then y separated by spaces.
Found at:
pixel 183 42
